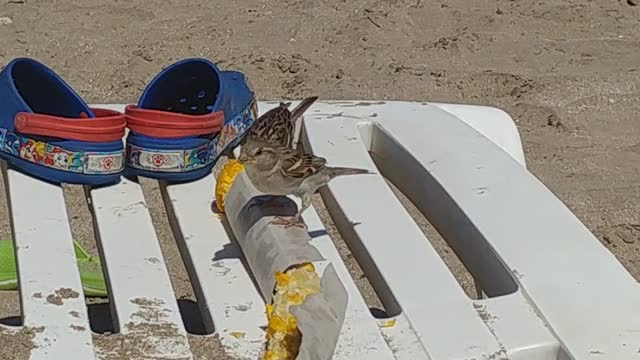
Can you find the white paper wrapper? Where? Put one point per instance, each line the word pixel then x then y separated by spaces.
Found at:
pixel 321 317
pixel 271 248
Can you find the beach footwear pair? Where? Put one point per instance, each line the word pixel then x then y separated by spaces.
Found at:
pixel 188 115
pixel 91 277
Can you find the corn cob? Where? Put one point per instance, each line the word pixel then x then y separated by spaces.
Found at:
pixel 224 181
pixel 291 288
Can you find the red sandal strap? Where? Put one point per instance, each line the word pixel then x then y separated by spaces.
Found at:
pixel 166 124
pixel 108 125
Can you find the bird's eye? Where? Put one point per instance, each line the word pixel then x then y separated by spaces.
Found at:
pixel 259 152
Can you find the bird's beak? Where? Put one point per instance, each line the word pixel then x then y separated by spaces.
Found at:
pixel 243 158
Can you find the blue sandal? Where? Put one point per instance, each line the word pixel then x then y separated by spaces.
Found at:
pixel 47 131
pixel 188 115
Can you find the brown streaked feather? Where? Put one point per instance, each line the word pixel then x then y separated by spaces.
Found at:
pixel 269 126
pixel 298 165
pixel 277 125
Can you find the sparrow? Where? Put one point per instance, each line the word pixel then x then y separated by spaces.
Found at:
pixel 284 171
pixel 276 127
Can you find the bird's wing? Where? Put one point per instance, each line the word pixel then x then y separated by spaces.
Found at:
pixel 277 126
pixel 273 127
pixel 298 165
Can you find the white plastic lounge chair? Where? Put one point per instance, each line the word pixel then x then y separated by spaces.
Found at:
pixel 551 290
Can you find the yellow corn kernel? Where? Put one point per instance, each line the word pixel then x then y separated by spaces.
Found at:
pixel 292 324
pixel 277 324
pixel 295 298
pixel 269 333
pixel 291 288
pixel 275 355
pixel 224 181
pixel 237 334
pixel 387 323
pixel 269 310
pixel 308 267
pixel 282 279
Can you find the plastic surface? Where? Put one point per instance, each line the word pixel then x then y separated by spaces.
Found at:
pixel 189 96
pixel 30 88
pixel 460 165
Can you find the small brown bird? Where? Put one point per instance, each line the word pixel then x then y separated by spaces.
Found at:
pixel 276 127
pixel 284 171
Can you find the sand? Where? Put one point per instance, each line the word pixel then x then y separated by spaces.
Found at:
pixel 567 71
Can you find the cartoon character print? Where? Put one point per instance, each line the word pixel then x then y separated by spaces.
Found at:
pixel 240 124
pixel 251 115
pixel 25 149
pixel 57 158
pixel 204 155
pixel 133 156
pixel 249 118
pixel 110 164
pixel 12 144
pixel 39 151
pixel 226 135
pixel 191 159
pixel 245 119
pixel 61 160
pixel 198 157
pixel 235 128
pixel 32 151
pixel 219 141
pixel 76 162
pixel 158 159
pixel 211 150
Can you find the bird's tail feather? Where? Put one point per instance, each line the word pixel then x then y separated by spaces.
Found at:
pixel 302 107
pixel 340 171
pixel 296 114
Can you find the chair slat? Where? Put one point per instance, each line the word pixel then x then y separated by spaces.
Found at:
pixel 447 156
pixel 50 288
pixel 140 290
pixel 520 330
pixel 566 273
pixel 420 282
pixel 360 336
pixel 227 296
pixel 402 338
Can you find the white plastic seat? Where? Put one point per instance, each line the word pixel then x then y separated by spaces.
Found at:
pixel 463 167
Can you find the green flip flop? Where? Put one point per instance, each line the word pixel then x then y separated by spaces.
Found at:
pixel 91 277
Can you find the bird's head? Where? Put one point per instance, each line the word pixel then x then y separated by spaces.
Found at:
pixel 261 156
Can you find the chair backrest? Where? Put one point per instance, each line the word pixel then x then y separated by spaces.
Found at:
pixel 551 290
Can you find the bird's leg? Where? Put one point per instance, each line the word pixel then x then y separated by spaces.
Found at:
pixel 287 223
pixel 295 220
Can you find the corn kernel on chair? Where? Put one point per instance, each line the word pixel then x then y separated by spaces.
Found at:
pixel 549 292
